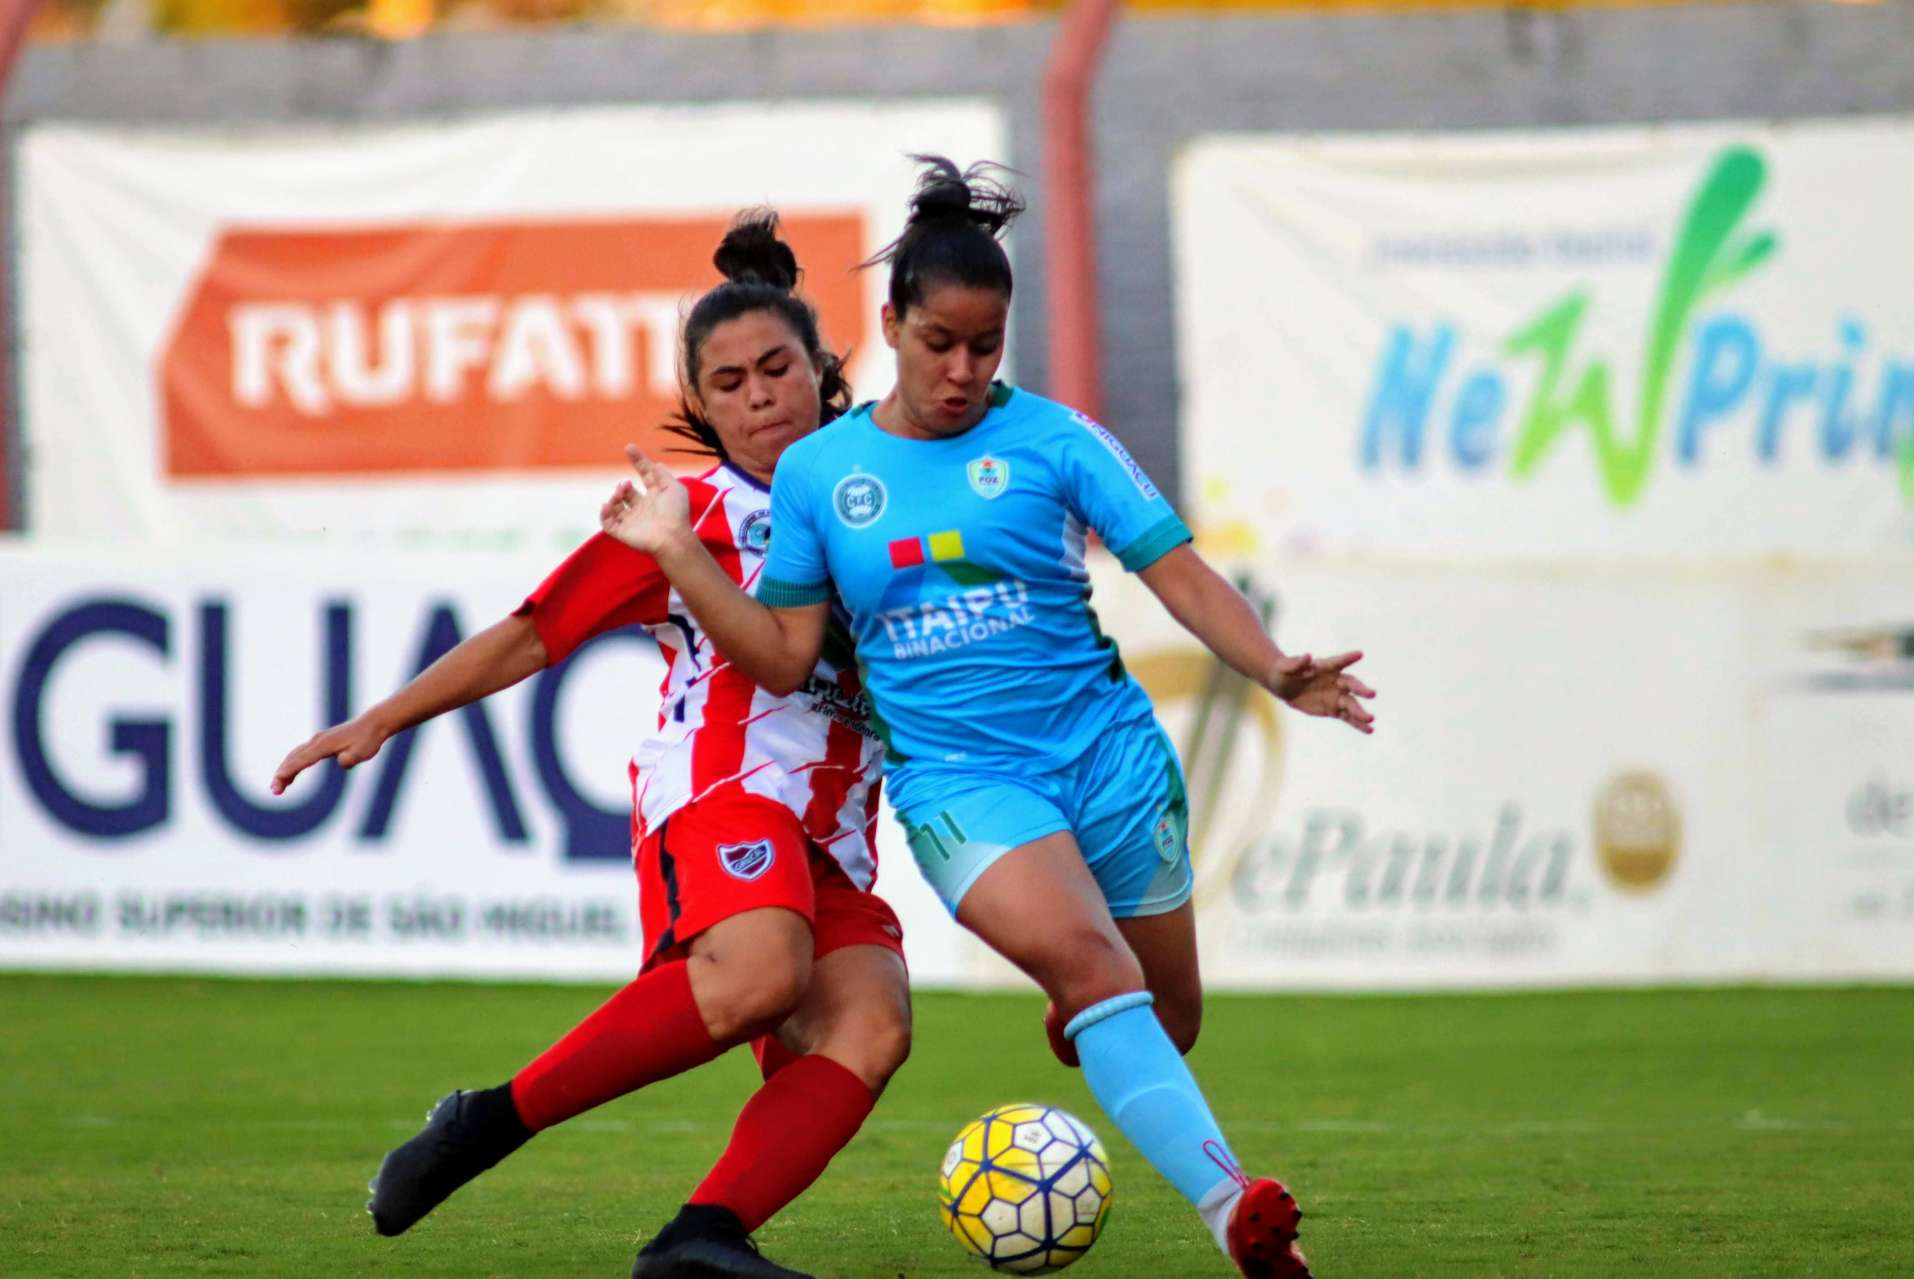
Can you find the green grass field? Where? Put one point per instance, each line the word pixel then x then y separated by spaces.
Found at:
pixel 177 1126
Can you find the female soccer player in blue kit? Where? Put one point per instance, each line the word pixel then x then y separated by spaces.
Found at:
pixel 1042 800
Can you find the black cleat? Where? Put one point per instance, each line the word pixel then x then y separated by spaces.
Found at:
pixel 705 1241
pixel 465 1134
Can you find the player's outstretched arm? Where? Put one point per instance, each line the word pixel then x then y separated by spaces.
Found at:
pixel 497 657
pixel 1217 614
pixel 776 648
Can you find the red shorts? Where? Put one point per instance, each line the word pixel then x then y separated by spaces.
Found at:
pixel 733 851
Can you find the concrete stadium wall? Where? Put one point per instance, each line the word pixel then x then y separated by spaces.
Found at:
pixel 1165 80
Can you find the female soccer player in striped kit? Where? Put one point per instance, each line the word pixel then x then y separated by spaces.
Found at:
pixel 1042 800
pixel 753 824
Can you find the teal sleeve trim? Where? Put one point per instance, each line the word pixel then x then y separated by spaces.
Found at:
pixel 775 594
pixel 1162 537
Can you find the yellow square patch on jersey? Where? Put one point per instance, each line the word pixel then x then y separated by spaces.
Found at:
pixel 948 545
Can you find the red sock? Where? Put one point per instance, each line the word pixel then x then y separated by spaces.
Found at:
pixel 772 1055
pixel 805 1113
pixel 648 1031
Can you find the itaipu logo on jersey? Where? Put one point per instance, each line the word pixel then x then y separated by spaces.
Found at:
pixel 989 477
pixel 859 499
pixel 747 861
pixel 975 602
pixel 929 627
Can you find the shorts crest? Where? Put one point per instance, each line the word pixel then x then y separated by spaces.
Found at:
pixel 747 861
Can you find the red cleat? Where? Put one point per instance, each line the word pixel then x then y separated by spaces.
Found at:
pixel 1262 1233
pixel 1053 1027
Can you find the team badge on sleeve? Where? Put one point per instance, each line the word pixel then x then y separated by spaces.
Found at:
pixel 747 861
pixel 989 477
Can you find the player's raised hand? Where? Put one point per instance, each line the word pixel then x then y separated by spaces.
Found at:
pixel 650 513
pixel 1323 687
pixel 353 742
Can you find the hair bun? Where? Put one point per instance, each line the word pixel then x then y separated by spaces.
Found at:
pixel 975 195
pixel 941 197
pixel 751 252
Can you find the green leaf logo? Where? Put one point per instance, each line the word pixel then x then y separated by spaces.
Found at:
pixel 1711 254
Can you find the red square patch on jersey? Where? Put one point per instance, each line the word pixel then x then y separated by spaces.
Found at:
pixel 907 552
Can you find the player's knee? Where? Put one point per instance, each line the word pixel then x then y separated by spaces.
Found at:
pixel 752 994
pixel 776 992
pixel 1091 967
pixel 871 1045
pixel 891 1040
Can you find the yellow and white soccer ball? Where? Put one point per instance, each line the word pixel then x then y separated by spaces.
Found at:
pixel 1026 1188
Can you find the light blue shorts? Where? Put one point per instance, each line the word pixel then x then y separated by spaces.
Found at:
pixel 1124 800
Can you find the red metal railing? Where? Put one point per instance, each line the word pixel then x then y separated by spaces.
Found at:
pixel 1069 224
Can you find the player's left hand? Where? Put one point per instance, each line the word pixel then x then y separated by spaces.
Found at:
pixel 1324 688
pixel 650 514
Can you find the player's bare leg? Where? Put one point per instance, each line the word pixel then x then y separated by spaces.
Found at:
pixel 750 972
pixel 1166 947
pixel 857 1013
pixel 847 1037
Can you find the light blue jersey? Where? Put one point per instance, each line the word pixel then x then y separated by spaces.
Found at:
pixel 961 563
pixel 1007 712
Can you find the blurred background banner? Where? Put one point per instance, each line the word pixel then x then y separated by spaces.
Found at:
pixel 1679 341
pixel 1619 775
pixel 149 699
pixel 1616 776
pixel 145 694
pixel 413 332
pixel 1561 360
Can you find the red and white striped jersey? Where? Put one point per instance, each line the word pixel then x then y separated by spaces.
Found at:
pixel 812 751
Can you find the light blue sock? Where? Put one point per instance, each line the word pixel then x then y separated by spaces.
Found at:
pixel 1141 1082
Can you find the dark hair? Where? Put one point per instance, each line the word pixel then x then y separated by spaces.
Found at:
pixel 951 235
pixel 760 274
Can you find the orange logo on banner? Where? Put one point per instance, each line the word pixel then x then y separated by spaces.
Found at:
pixel 508 346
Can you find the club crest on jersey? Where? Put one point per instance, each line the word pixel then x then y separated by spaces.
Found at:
pixel 989 477
pixel 755 533
pixel 747 861
pixel 859 499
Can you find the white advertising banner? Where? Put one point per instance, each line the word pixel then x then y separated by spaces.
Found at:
pixel 1581 777
pixel 1670 341
pixel 437 334
pixel 1835 731
pixel 148 703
